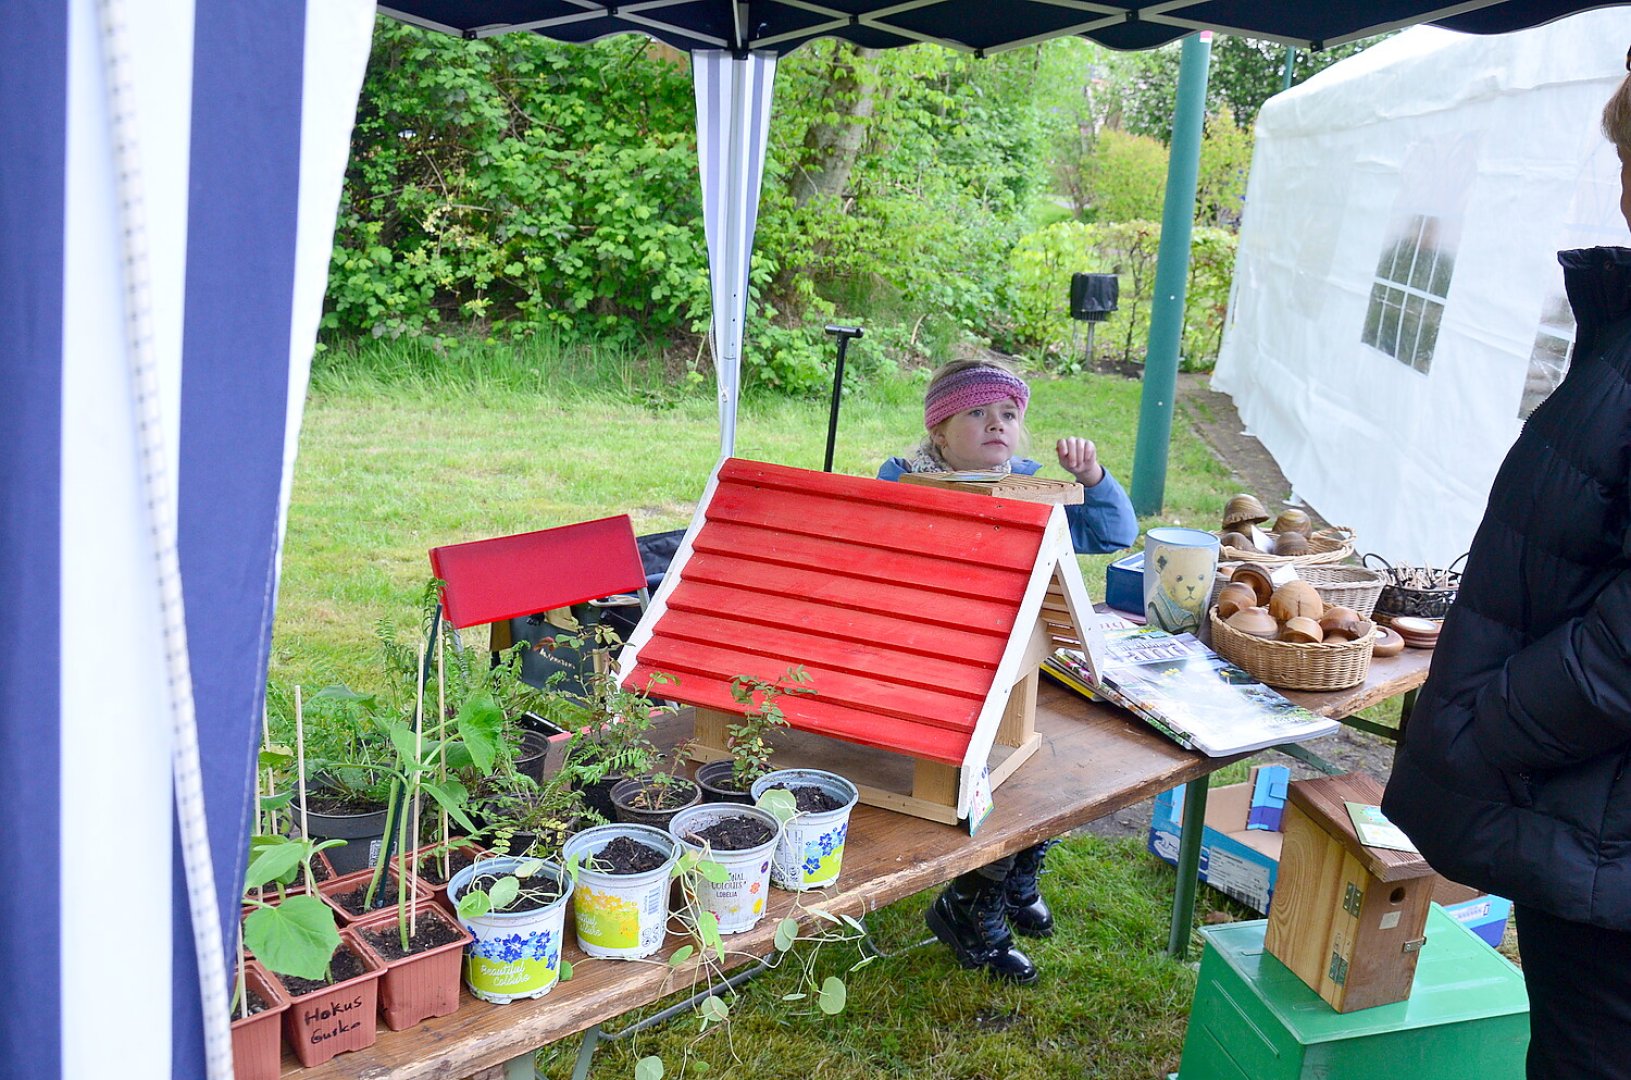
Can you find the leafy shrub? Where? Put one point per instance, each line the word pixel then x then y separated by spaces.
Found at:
pixel 1038 291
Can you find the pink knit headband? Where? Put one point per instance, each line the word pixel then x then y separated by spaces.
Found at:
pixel 971 387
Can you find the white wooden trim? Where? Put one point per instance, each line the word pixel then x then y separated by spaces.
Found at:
pixel 1076 598
pixel 1013 655
pixel 671 579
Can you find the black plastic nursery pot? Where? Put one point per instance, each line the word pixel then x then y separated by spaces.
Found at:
pixel 629 798
pixel 715 780
pixel 363 835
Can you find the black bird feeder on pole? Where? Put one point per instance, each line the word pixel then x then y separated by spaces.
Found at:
pixel 843 334
pixel 1092 299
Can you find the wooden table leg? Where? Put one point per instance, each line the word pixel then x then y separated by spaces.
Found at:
pixel 1189 867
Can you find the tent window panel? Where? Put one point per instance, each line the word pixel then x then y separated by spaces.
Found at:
pixel 1443 269
pixel 1548 363
pixel 1373 317
pixel 1430 316
pixel 1406 300
pixel 1410 330
pixel 1388 336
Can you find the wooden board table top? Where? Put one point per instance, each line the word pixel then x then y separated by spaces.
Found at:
pixel 1094 760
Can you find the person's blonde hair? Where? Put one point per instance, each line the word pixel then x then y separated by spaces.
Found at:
pixel 1617 118
pixel 1022 436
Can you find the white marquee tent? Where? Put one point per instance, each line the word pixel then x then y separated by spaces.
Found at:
pixel 1398 307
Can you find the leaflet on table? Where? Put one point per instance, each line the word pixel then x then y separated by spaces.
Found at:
pixel 1192 695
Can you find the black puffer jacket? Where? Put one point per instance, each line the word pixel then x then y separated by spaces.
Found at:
pixel 1512 776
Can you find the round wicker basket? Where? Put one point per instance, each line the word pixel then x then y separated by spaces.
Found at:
pixel 1345 586
pixel 1325 665
pixel 1325 546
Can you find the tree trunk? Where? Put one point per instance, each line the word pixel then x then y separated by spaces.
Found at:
pixel 831 149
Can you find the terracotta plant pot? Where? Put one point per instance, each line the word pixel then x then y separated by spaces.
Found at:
pixel 322 870
pixel 714 779
pixel 333 1019
pixel 257 1041
pixel 626 793
pixel 350 882
pixel 423 984
pixel 423 858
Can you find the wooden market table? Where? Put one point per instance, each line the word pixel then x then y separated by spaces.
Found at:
pixel 1094 760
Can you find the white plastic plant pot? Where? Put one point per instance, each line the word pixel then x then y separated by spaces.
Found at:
pixel 812 845
pixel 620 916
pixel 515 954
pixel 738 902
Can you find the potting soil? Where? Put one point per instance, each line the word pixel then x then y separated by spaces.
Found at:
pixel 345 965
pixel 625 855
pixel 352 901
pixel 431 932
pixel 733 834
pixel 536 892
pixel 810 798
pixel 430 867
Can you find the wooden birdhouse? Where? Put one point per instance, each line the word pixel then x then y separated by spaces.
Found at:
pixel 1349 920
pixel 919 616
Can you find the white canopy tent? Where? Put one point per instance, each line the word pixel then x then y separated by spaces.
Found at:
pixel 1398 307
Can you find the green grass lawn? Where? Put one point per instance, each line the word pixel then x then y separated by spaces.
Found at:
pixel 390 467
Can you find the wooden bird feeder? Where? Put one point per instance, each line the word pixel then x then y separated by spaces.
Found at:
pixel 919 615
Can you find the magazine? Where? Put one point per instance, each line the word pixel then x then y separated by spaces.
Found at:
pixel 1188 693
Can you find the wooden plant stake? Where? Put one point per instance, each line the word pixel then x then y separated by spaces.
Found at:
pixel 300 778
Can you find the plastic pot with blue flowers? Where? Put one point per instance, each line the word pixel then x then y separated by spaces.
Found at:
pixel 814 828
pixel 515 909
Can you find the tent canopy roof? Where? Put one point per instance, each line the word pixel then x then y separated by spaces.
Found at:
pixel 981 26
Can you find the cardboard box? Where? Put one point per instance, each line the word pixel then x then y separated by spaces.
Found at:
pixel 1239 861
pixel 1244 862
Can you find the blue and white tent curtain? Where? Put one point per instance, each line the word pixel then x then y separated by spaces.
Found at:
pixel 168 186
pixel 733 130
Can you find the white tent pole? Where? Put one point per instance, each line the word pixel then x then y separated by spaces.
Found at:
pixel 733 121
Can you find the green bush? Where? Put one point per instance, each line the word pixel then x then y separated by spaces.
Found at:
pixel 1038 291
pixel 1127 177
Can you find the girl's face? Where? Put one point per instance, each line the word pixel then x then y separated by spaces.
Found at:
pixel 980 438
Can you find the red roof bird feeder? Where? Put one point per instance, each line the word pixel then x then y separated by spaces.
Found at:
pixel 920 616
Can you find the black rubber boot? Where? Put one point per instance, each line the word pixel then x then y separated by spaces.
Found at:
pixel 972 917
pixel 1028 913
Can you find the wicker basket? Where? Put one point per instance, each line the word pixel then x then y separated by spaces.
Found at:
pixel 1325 546
pixel 1326 665
pixel 1345 586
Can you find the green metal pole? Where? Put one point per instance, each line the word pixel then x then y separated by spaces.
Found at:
pixel 1290 68
pixel 1171 280
pixel 1189 868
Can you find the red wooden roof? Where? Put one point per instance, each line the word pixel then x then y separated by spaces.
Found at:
pixel 898 600
pixel 506 576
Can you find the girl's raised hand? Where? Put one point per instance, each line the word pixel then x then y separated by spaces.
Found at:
pixel 1080 458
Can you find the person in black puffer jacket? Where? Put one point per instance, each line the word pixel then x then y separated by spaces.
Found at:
pixel 1511 776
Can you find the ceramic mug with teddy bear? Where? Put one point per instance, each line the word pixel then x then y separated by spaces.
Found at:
pixel 1179 565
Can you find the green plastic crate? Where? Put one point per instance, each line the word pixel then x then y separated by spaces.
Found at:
pixel 1467 1016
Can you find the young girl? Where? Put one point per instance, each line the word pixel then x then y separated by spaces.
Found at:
pixel 974 414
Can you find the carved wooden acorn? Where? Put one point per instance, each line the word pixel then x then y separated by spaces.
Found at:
pixel 1235 596
pixel 1294 520
pixel 1255 621
pixel 1258 578
pixel 1301 630
pixel 1296 599
pixel 1243 509
pixel 1291 543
